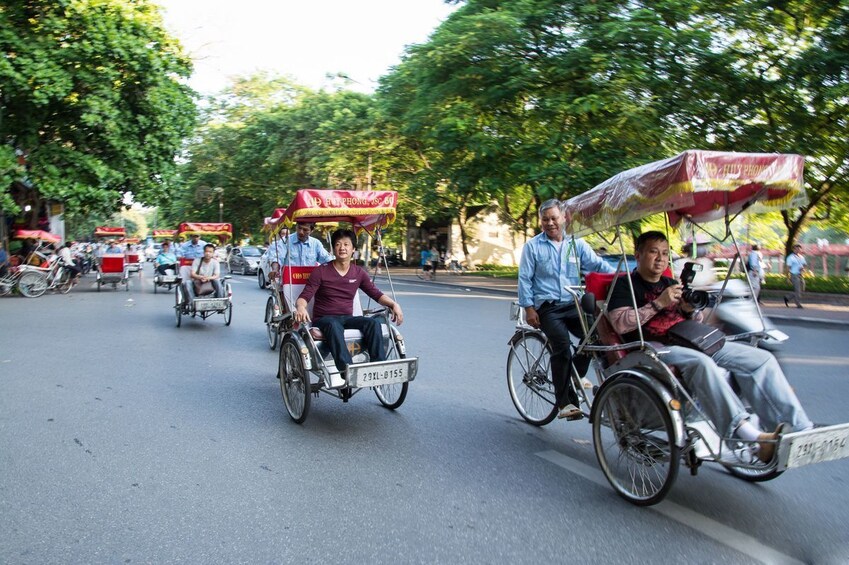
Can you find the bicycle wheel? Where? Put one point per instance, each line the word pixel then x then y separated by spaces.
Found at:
pixel 32 284
pixel 294 381
pixel 6 286
pixel 65 282
pixel 529 378
pixel 634 441
pixel 178 305
pixel 228 314
pixel 392 396
pixel 270 324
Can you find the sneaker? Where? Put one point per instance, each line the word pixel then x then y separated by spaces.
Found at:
pixel 570 412
pixel 585 382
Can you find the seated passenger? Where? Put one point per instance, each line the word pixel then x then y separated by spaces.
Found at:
pixel 334 286
pixel 306 251
pixel 760 378
pixel 165 260
pixel 204 275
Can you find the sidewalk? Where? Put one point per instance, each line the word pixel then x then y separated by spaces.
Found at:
pixel 819 308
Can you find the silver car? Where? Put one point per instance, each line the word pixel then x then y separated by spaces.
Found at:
pixel 244 260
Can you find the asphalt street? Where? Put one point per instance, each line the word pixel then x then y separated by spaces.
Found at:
pixel 126 439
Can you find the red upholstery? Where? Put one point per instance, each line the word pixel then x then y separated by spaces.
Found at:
pixel 132 257
pixel 186 262
pixel 112 264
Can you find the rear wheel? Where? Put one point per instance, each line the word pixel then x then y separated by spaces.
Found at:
pixel 294 381
pixel 529 378
pixel 32 284
pixel 65 282
pixel 634 441
pixel 260 279
pixel 270 324
pixel 392 396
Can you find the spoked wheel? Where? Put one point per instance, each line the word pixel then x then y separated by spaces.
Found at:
pixel 755 470
pixel 271 327
pixel 66 281
pixel 294 381
pixel 228 314
pixel 178 305
pixel 392 396
pixel 529 379
pixel 634 441
pixel 32 285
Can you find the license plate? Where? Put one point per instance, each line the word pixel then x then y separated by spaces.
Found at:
pixel 206 304
pixel 815 446
pixel 382 373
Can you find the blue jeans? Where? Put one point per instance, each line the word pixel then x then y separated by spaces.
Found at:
pixel 333 328
pixel 760 378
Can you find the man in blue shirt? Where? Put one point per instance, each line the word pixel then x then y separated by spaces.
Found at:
pixel 192 249
pixel 551 261
pixel 306 251
pixel 165 260
pixel 796 266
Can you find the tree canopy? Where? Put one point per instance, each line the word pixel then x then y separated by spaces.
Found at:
pixel 92 103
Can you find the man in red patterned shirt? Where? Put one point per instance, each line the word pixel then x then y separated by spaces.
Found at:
pixel 761 380
pixel 334 286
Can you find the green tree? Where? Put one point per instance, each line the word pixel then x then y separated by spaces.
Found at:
pixel 91 97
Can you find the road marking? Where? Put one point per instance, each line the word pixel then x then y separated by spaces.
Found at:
pixel 702 524
pixel 800 360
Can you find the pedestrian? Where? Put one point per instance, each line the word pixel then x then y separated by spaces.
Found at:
pixel 796 267
pixel 755 265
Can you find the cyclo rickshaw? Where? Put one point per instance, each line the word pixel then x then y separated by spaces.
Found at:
pixel 645 423
pixel 203 305
pixel 306 367
pixel 112 267
pixel 170 279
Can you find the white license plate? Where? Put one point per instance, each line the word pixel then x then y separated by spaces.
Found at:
pixel 207 304
pixel 814 446
pixel 381 373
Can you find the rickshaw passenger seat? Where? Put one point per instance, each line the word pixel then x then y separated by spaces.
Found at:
pixel 597 287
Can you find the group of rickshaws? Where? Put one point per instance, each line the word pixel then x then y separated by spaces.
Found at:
pixel 645 423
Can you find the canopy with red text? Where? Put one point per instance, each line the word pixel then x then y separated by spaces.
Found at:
pixel 223 231
pixel 109 231
pixel 696 185
pixel 164 234
pixel 361 208
pixel 36 234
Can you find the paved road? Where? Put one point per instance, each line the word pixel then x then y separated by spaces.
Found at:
pixel 125 439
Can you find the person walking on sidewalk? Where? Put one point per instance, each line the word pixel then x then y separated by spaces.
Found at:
pixel 550 262
pixel 754 262
pixel 796 267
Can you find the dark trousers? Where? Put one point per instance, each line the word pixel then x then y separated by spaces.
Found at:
pixel 163 269
pixel 557 322
pixel 333 328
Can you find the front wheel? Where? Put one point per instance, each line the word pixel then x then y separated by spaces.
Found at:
pixel 392 396
pixel 529 378
pixel 294 381
pixel 271 324
pixel 260 279
pixel 634 441
pixel 32 284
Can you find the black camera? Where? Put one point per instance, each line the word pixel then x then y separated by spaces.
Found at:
pixel 698 299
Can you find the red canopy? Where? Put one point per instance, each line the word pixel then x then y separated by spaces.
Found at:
pixel 360 208
pixel 271 222
pixel 107 231
pixel 697 185
pixel 164 234
pixel 36 234
pixel 223 231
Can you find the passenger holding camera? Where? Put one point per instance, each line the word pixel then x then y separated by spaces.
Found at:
pixel 660 306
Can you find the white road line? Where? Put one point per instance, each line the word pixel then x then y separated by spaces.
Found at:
pixel 702 524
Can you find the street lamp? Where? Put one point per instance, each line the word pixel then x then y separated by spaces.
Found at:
pixel 220 192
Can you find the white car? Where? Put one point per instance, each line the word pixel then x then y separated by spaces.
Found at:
pixel 262 270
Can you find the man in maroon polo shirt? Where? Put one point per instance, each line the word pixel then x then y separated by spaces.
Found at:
pixel 334 286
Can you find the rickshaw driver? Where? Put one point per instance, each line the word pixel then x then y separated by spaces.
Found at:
pixel 551 261
pixel 334 286
pixel 194 248
pixel 756 371
pixel 205 269
pixel 306 251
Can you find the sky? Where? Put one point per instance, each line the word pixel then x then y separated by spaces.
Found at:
pixel 304 40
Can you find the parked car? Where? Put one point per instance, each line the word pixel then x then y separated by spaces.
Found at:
pixel 244 260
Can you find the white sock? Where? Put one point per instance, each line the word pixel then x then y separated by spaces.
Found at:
pixel 747 431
